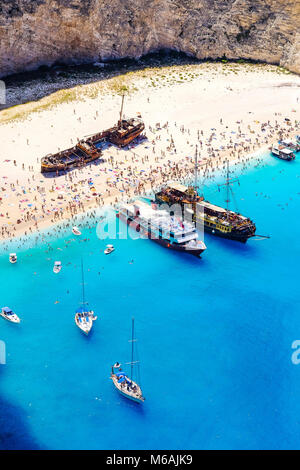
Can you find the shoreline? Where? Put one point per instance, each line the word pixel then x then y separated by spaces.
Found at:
pixel 92 211
pixel 234 116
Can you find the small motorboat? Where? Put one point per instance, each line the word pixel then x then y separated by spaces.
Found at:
pixel 13 258
pixel 76 231
pixel 9 315
pixel 109 249
pixel 57 267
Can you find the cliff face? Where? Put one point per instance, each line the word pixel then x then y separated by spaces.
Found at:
pixel 42 32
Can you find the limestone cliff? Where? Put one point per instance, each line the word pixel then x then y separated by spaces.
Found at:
pixel 42 32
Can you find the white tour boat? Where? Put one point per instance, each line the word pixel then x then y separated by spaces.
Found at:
pixel 163 228
pixel 290 144
pixel 282 152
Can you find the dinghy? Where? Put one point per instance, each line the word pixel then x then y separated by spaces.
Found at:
pixel 13 258
pixel 57 267
pixel 109 249
pixel 76 231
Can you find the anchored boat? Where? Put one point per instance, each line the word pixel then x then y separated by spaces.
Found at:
pixel 290 144
pixel 9 315
pixel 215 220
pixel 125 385
pixel 13 258
pixel 161 227
pixel 282 152
pixel 76 231
pixel 57 267
pixel 84 317
pixel 109 249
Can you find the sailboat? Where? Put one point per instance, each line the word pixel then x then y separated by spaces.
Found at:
pixel 124 384
pixel 84 317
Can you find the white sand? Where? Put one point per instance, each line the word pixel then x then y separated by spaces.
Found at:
pixel 243 96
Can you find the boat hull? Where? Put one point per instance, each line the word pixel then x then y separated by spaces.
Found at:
pixel 84 330
pixel 127 139
pixel 47 168
pixel 289 159
pixel 12 320
pixel 161 241
pixel 233 234
pixel 129 397
pixel 136 399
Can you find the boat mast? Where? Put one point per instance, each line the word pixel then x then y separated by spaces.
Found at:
pixel 132 340
pixel 227 189
pixel 121 112
pixel 196 170
pixel 228 184
pixel 82 278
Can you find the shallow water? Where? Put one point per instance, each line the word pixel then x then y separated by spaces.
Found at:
pixel 214 336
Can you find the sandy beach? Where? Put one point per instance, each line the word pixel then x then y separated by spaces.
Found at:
pixel 229 111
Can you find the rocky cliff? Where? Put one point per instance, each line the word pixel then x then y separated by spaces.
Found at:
pixel 43 32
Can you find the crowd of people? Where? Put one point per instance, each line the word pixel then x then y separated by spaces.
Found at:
pixel 30 203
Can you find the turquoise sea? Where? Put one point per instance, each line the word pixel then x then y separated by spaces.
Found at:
pixel 214 335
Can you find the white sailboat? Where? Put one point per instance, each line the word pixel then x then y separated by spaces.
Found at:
pixel 84 317
pixel 9 315
pixel 124 384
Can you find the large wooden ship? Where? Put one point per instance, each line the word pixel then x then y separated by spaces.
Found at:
pixel 80 155
pixel 126 130
pixel 214 219
pixel 89 150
